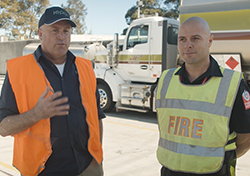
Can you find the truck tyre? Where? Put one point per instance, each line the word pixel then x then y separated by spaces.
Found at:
pixel 106 102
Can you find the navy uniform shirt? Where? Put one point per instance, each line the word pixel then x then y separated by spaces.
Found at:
pixel 69 134
pixel 240 117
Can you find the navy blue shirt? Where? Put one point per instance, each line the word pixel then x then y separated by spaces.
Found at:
pixel 69 134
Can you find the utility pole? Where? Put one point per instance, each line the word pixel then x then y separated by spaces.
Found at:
pixel 139 4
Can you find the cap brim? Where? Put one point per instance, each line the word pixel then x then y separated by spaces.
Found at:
pixel 72 23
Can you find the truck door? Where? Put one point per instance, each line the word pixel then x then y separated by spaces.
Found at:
pixel 163 47
pixel 169 45
pixel 134 59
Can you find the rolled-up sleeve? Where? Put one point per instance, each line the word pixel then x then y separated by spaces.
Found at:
pixel 8 104
pixel 240 118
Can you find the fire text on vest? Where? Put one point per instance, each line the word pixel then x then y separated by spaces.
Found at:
pixel 183 126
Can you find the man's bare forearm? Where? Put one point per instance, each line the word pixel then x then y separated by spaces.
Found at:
pixel 15 124
pixel 242 143
pixel 45 108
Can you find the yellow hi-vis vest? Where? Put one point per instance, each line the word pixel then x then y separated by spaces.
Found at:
pixel 32 147
pixel 194 121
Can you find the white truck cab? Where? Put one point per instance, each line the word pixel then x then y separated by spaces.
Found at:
pixel 129 75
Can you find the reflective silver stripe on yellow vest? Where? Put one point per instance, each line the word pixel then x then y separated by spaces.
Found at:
pixel 193 121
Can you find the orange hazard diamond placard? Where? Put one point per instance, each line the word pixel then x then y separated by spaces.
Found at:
pixel 232 63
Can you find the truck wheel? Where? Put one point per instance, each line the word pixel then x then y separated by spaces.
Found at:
pixel 106 102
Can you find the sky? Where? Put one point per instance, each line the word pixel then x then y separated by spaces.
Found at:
pixel 104 17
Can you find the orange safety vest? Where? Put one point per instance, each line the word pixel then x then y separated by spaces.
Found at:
pixel 32 147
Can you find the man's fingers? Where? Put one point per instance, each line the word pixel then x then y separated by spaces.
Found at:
pixel 53 105
pixel 62 110
pixel 63 113
pixel 59 110
pixel 54 96
pixel 59 101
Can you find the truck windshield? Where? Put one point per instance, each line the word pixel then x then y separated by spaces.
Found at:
pixel 137 35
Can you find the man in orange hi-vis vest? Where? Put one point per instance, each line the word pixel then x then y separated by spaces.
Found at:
pixel 50 104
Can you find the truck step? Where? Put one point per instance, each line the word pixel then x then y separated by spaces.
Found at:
pixel 130 109
pixel 131 98
pixel 135 85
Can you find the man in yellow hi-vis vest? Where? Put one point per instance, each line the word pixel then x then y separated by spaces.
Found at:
pixel 203 110
pixel 50 104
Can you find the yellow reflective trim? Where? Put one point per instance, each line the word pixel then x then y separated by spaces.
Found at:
pixel 153 58
pixel 140 58
pixel 232 136
pixel 156 58
pixel 232 167
pixel 234 85
pixel 133 58
pixel 223 20
pixel 230 147
pixel 101 58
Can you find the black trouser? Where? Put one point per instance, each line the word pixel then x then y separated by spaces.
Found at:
pixel 225 171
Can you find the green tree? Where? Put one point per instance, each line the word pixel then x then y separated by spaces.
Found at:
pixel 150 7
pixel 20 17
pixel 171 8
pixel 165 8
pixel 77 12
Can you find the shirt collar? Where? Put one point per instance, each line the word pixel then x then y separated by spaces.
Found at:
pixel 38 54
pixel 213 69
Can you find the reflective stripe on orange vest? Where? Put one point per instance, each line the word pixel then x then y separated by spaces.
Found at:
pixel 32 147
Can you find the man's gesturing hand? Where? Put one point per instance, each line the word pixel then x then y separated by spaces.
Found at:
pixel 51 106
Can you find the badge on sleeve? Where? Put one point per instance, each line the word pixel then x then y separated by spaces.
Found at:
pixel 246 99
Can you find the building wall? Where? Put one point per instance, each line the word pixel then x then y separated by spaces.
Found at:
pixel 9 50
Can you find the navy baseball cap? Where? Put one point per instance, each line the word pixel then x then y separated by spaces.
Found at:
pixel 53 15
